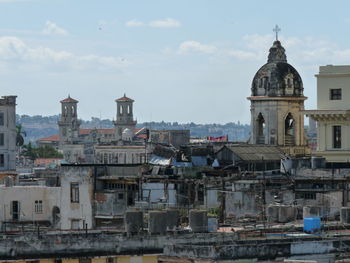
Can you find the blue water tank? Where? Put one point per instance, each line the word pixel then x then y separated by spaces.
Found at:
pixel 312 224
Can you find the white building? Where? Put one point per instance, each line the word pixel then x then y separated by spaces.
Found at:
pixel 333 113
pixel 8 133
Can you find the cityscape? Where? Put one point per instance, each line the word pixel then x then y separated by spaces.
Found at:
pixel 103 176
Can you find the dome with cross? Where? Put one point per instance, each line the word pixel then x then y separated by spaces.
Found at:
pixel 277 78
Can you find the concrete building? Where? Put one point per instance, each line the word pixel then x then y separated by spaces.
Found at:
pixel 333 113
pixel 276 101
pixel 29 205
pixel 175 138
pixel 7 133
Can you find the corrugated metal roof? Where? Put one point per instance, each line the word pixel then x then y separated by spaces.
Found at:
pixel 257 152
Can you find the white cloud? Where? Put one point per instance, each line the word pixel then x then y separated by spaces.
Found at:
pixel 168 22
pixel 53 29
pixel 194 46
pixel 134 23
pixel 165 23
pixel 14 52
pixel 243 55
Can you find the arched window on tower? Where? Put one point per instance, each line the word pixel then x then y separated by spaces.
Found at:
pixel 65 113
pixel 289 130
pixel 260 122
pixel 121 109
pixel 289 84
pixel 129 109
pixel 73 111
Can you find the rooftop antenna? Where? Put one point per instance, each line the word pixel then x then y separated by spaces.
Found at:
pixel 276 29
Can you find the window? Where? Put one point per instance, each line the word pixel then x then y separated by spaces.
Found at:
pixel 335 94
pixel 110 260
pixel 2 160
pixel 311 196
pixel 2 139
pixel 74 192
pixel 75 224
pixel 120 196
pixel 337 136
pixel 2 121
pixel 38 206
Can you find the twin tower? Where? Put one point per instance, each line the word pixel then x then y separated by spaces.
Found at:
pixel 69 123
pixel 276 102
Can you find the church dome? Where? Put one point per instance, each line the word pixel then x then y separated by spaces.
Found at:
pixel 277 78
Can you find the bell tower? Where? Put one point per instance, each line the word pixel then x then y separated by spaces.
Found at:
pixel 69 123
pixel 277 101
pixel 125 116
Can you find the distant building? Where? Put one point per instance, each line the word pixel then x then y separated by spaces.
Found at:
pixel 125 117
pixel 7 133
pixel 276 101
pixel 175 138
pixel 69 124
pixel 333 113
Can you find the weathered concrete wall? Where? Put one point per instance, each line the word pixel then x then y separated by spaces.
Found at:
pixel 26 197
pixel 80 211
pixel 65 245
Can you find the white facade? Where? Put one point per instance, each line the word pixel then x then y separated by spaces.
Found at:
pixel 333 113
pixel 28 203
pixel 7 133
pixel 120 154
pixel 76 194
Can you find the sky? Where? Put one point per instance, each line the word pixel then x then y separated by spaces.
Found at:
pixel 180 60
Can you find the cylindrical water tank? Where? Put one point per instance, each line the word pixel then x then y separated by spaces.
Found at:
pixel 345 215
pixel 133 221
pixel 311 211
pixel 172 219
pixel 272 213
pixel 287 213
pixel 198 221
pixel 157 222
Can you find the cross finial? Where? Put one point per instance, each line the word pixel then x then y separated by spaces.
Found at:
pixel 276 30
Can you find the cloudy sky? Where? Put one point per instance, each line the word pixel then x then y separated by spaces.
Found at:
pixel 180 60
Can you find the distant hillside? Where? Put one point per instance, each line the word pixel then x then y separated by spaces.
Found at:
pixel 42 126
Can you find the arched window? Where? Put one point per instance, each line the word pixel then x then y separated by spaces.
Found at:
pixel 129 109
pixel 121 109
pixel 73 111
pixel 65 113
pixel 260 123
pixel 289 125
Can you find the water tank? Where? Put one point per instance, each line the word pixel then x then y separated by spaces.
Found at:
pixel 198 221
pixel 312 224
pixel 172 219
pixel 311 211
pixel 8 181
pixel 345 215
pixel 127 135
pixel 287 213
pixel 272 213
pixel 133 221
pixel 318 162
pixel 157 222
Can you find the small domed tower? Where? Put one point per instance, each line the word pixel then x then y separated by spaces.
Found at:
pixel 125 117
pixel 69 124
pixel 276 101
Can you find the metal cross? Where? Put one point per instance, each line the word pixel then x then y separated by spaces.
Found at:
pixel 276 30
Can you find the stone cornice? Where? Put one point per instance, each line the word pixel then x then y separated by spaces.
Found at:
pixel 268 98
